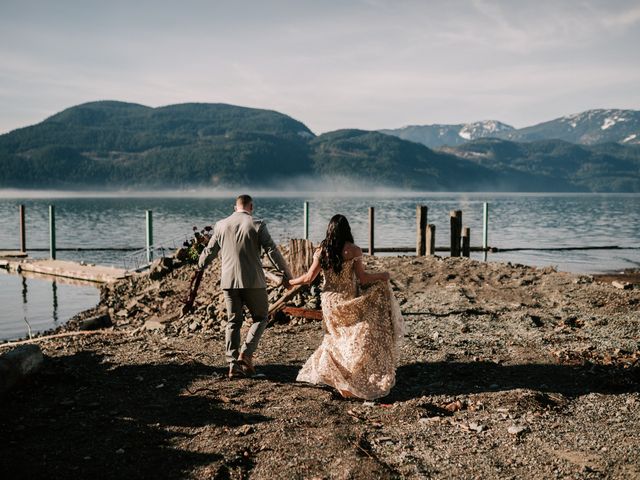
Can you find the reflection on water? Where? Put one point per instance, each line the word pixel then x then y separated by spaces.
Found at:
pixel 44 303
pixel 54 291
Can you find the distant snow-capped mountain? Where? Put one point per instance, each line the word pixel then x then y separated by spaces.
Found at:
pixel 487 128
pixel 587 128
pixel 449 135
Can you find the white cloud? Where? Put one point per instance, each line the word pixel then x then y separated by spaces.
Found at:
pixel 627 18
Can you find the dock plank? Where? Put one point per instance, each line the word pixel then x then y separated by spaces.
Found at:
pixel 67 269
pixel 12 254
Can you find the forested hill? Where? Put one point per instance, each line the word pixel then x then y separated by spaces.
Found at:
pixel 607 167
pixel 114 145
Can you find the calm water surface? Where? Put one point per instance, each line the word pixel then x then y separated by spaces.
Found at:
pixel 516 221
pixel 37 304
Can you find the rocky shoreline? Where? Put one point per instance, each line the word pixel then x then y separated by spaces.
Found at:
pixel 507 371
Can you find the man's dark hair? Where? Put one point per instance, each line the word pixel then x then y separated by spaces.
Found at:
pixel 244 200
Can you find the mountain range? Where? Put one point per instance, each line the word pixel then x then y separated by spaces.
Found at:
pixel 114 145
pixel 586 128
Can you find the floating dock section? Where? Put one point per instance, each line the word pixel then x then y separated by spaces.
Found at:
pixel 62 268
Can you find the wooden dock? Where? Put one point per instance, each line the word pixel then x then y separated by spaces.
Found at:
pixel 63 268
pixel 12 254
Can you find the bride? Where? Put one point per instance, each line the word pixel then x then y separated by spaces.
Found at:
pixel 363 328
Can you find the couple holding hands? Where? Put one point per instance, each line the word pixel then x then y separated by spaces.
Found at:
pixel 362 320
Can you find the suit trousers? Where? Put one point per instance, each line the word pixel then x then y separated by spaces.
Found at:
pixel 258 304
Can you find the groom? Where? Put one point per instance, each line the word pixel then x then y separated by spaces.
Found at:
pixel 239 238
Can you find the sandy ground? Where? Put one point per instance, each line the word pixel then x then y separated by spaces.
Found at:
pixel 506 371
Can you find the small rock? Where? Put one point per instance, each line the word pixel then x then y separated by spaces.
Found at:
pixel 120 451
pixel 476 427
pixel 535 320
pixel 428 420
pixel 385 440
pixel 455 406
pixel 95 322
pixel 622 285
pixel 132 304
pixel 154 324
pixel 517 429
pixel 245 430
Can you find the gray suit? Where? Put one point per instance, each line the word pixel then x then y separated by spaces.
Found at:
pixel 239 239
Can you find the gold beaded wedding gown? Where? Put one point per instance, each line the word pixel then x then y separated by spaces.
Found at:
pixel 363 331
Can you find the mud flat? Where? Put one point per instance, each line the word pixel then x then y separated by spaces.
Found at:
pixel 507 371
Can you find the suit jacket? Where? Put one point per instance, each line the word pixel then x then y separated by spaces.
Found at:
pixel 239 238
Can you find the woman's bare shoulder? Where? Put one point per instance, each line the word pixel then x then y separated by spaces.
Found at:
pixel 350 251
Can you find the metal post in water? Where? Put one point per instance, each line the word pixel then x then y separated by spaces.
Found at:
pixel 371 230
pixel 149 217
pixel 52 232
pixel 23 239
pixel 306 220
pixel 485 229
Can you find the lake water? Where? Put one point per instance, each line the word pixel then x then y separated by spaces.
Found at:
pixel 37 304
pixel 515 221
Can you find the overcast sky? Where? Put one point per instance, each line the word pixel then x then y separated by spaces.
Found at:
pixel 331 64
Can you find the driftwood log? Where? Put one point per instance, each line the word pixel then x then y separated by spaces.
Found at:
pixel 96 322
pixel 308 313
pixel 280 303
pixel 17 364
pixel 62 335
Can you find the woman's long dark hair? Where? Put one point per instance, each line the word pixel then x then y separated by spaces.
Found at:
pixel 338 233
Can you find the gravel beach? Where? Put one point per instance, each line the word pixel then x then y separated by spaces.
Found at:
pixel 506 371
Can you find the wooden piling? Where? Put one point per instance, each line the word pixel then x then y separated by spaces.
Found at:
pixel 300 256
pixel 306 221
pixel 23 238
pixel 371 230
pixel 431 240
pixel 52 232
pixel 466 241
pixel 149 222
pixel 421 230
pixel 455 218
